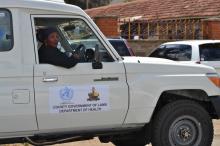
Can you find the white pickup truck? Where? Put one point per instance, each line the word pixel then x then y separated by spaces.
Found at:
pixel 129 101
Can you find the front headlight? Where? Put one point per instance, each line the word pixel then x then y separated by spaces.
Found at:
pixel 214 78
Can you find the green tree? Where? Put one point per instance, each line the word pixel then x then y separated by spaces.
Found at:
pixel 88 3
pixel 77 3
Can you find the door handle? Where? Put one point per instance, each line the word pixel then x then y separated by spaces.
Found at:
pixel 107 79
pixel 50 79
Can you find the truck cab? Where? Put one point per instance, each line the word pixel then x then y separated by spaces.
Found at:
pixel 32 99
pixel 103 95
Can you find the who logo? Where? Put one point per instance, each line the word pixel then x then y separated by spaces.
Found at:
pixel 66 93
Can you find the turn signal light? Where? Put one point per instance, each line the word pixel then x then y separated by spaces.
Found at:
pixel 214 78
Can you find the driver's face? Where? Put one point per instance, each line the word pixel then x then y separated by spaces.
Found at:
pixel 52 40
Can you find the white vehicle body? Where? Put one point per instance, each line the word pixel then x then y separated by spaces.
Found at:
pixel 133 85
pixel 59 1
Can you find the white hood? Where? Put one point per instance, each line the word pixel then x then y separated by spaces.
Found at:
pixel 161 65
pixel 134 59
pixel 153 60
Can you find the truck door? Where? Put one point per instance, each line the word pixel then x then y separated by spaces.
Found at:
pixel 81 97
pixel 17 109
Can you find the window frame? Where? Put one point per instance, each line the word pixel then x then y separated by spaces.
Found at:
pixel 60 16
pixel 11 27
pixel 201 48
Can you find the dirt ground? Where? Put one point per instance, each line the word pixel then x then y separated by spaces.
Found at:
pixel 95 142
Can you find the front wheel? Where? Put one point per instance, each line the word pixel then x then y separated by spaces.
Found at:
pixel 182 123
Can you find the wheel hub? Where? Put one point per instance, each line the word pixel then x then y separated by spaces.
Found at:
pixel 185 134
pixel 185 131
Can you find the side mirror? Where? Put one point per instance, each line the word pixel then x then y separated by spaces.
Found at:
pixel 97 54
pixel 97 64
pixel 90 55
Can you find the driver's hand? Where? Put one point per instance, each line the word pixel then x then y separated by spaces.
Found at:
pixel 76 56
pixel 69 54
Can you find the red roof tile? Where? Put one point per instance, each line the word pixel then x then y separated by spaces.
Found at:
pixel 160 9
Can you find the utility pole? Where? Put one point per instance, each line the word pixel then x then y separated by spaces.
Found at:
pixel 87 4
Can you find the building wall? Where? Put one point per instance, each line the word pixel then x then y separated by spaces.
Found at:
pixel 211 29
pixel 171 29
pixel 108 25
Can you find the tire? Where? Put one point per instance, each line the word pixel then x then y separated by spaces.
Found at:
pixel 182 123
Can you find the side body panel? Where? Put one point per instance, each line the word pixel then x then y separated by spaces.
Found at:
pixel 149 80
pixel 80 78
pixel 17 108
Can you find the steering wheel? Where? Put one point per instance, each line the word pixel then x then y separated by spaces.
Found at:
pixel 80 50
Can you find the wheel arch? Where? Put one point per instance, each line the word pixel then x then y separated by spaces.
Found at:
pixel 198 95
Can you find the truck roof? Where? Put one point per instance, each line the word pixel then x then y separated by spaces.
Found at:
pixel 193 42
pixel 60 1
pixel 41 5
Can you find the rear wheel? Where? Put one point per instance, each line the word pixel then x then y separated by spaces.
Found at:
pixel 182 123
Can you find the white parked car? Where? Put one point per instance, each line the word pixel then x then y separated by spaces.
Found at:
pixel 129 101
pixel 198 51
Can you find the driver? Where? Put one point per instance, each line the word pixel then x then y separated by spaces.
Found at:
pixel 49 53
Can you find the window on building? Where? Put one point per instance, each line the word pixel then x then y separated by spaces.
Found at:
pixel 6 36
pixel 210 52
pixel 168 29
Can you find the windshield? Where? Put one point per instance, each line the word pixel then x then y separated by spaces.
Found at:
pixel 76 30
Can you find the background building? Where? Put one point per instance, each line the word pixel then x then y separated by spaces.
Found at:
pixel 156 19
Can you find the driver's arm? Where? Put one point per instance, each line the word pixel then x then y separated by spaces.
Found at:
pixel 59 59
